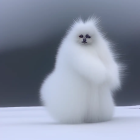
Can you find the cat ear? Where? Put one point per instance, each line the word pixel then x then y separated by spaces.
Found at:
pixel 93 20
pixel 76 22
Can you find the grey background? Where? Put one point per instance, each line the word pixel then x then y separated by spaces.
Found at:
pixel 30 31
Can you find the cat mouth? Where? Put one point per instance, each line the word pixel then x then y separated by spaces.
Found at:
pixel 84 42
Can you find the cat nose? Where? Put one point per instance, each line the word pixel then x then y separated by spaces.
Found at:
pixel 84 40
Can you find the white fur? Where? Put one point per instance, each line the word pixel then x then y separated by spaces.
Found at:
pixel 80 87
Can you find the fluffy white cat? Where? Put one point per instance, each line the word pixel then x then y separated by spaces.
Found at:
pixel 79 89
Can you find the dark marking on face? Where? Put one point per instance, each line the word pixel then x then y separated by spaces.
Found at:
pixel 81 36
pixel 87 36
pixel 84 38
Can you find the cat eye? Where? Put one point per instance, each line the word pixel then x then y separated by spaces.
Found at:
pixel 87 36
pixel 81 36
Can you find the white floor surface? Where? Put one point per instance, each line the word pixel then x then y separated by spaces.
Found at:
pixel 34 123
